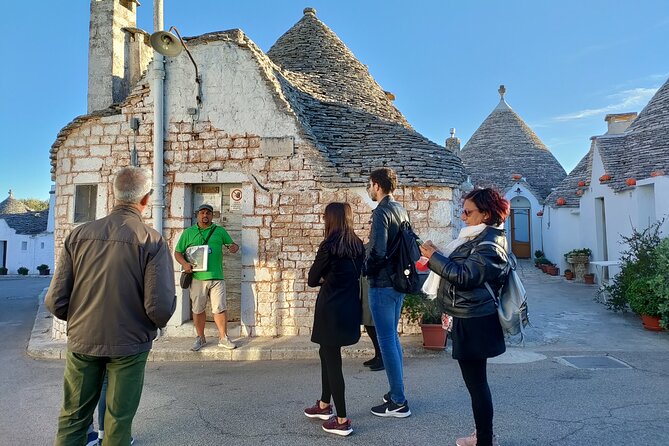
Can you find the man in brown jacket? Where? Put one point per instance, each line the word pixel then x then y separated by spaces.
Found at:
pixel 114 285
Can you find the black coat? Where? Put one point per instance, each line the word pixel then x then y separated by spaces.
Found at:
pixel 463 274
pixel 338 306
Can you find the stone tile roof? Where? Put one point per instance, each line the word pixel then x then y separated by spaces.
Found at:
pixel 503 146
pixel 339 106
pixel 320 64
pixel 568 187
pixel 28 223
pixel 12 206
pixel 638 152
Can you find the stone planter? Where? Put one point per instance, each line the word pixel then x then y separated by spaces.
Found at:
pixel 580 266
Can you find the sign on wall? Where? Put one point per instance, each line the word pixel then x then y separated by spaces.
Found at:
pixel 235 199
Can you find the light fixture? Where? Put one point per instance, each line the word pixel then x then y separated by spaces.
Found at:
pixel 518 191
pixel 169 45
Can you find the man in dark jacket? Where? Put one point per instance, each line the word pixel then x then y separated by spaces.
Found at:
pixel 114 285
pixel 384 301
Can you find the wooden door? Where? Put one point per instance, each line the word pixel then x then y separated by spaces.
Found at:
pixel 520 233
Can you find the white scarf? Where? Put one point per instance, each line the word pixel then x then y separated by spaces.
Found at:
pixel 431 285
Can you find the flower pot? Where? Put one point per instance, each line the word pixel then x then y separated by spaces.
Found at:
pixel 553 270
pixel 434 336
pixel 581 183
pixel 651 323
pixel 569 275
pixel 44 272
pixel 589 279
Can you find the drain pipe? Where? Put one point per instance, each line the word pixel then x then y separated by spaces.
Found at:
pixel 157 204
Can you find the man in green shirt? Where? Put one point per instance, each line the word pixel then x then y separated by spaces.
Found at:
pixel 207 284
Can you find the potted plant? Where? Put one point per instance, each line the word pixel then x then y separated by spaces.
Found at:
pixel 537 255
pixel 642 283
pixel 23 271
pixel 3 271
pixel 580 255
pixel 589 278
pixel 43 269
pixel 552 270
pixel 417 308
pixel 568 274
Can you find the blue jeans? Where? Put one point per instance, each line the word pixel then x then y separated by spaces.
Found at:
pixel 386 306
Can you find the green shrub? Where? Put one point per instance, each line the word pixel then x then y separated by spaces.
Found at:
pixel 23 271
pixel 643 282
pixel 419 309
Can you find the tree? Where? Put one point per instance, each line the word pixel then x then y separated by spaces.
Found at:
pixel 35 204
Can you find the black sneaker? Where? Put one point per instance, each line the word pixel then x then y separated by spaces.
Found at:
pixel 391 409
pixel 376 366
pixel 369 362
pixel 386 398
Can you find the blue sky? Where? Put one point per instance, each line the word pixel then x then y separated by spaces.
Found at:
pixel 565 64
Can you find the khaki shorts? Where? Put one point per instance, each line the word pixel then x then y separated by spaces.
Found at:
pixel 201 290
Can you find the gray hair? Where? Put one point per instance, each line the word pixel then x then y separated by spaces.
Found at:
pixel 131 184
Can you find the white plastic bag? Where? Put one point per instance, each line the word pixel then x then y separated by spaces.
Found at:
pixel 431 285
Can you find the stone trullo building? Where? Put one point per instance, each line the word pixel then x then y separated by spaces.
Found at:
pixel 26 236
pixel 622 182
pixel 505 153
pixel 268 138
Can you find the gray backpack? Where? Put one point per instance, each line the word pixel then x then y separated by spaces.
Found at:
pixel 511 298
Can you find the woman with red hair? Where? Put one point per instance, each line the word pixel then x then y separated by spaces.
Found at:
pixel 463 267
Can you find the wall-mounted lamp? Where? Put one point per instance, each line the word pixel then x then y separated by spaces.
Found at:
pixel 167 44
pixel 518 191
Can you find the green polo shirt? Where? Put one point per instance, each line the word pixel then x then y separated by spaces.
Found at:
pixel 194 236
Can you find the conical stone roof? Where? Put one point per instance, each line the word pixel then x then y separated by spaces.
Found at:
pixel 503 146
pixel 12 206
pixel 320 64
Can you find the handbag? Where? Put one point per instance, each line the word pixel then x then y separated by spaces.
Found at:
pixel 185 280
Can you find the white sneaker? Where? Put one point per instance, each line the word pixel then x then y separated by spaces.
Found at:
pixel 225 342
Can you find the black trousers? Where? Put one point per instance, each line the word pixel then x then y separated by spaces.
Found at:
pixel 332 378
pixel 476 379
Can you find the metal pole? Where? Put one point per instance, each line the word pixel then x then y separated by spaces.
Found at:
pixel 157 205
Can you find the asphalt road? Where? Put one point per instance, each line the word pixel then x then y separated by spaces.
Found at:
pixel 539 400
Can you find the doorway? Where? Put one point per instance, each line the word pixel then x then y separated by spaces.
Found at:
pixel 226 201
pixel 520 233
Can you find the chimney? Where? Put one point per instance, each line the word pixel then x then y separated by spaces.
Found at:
pixel 109 68
pixel 453 143
pixel 619 122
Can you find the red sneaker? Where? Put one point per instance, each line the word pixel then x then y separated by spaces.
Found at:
pixel 315 411
pixel 334 427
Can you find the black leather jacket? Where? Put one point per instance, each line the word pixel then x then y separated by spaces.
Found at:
pixel 462 291
pixel 386 219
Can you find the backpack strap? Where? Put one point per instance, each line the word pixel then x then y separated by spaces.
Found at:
pixel 510 264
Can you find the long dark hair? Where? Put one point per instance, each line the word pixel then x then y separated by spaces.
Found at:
pixel 491 201
pixel 339 231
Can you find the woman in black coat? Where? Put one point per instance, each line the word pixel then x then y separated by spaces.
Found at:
pixel 337 315
pixel 464 266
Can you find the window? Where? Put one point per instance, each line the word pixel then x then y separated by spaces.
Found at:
pixel 85 198
pixel 41 245
pixel 24 246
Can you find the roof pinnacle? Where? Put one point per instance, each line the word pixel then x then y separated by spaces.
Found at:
pixel 501 91
pixel 311 11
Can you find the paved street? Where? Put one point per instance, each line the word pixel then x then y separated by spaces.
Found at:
pixel 540 399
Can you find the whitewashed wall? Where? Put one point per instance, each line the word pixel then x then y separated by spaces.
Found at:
pixel 39 249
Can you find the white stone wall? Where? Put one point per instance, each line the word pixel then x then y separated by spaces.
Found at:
pixel 581 228
pixel 34 255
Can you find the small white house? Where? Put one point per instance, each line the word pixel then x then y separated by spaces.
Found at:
pixel 505 153
pixel 620 184
pixel 26 238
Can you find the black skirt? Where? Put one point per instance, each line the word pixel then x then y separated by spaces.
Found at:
pixel 477 337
